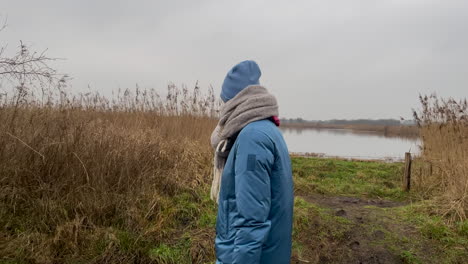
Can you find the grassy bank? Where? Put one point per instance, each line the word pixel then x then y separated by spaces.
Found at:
pixel 357 211
pixel 162 214
pixel 349 178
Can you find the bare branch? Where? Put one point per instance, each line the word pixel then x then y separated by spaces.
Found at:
pixel 3 24
pixel 28 72
pixel 27 67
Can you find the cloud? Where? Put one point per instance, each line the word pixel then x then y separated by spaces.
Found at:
pixel 323 59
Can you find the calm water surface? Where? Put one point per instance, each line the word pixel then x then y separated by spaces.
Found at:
pixel 348 143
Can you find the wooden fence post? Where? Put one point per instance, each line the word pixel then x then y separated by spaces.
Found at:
pixel 407 171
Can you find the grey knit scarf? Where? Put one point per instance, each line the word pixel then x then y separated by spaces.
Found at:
pixel 251 104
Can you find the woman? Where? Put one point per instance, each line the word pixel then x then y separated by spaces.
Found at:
pixel 252 180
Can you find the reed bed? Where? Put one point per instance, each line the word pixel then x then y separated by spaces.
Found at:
pixel 88 179
pixel 443 172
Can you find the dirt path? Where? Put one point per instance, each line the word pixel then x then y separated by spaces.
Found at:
pixel 369 240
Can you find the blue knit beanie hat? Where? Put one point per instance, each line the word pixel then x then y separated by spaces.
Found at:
pixel 240 76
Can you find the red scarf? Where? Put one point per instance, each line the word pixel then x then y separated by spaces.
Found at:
pixel 275 120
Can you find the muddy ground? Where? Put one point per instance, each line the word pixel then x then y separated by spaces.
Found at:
pixel 373 233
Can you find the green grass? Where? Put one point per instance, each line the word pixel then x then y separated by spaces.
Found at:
pixel 409 258
pixel 450 239
pixel 348 178
pixel 315 229
pixel 166 254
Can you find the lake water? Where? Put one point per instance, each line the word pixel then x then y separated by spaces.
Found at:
pixel 348 144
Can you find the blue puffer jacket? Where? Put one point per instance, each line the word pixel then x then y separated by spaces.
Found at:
pixel 255 210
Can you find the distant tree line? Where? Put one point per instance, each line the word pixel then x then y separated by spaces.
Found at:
pixel 374 122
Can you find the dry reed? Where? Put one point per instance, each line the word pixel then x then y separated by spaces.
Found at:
pixel 444 172
pixel 98 180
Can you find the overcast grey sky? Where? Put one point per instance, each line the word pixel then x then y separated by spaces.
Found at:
pixel 322 58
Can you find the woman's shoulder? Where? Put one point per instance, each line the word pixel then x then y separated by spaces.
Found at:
pixel 261 130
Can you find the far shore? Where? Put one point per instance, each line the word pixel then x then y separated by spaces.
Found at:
pixel 404 131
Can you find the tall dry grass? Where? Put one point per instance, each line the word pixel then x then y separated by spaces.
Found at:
pixel 95 180
pixel 444 135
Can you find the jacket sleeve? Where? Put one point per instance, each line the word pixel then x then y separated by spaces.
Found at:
pixel 253 164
